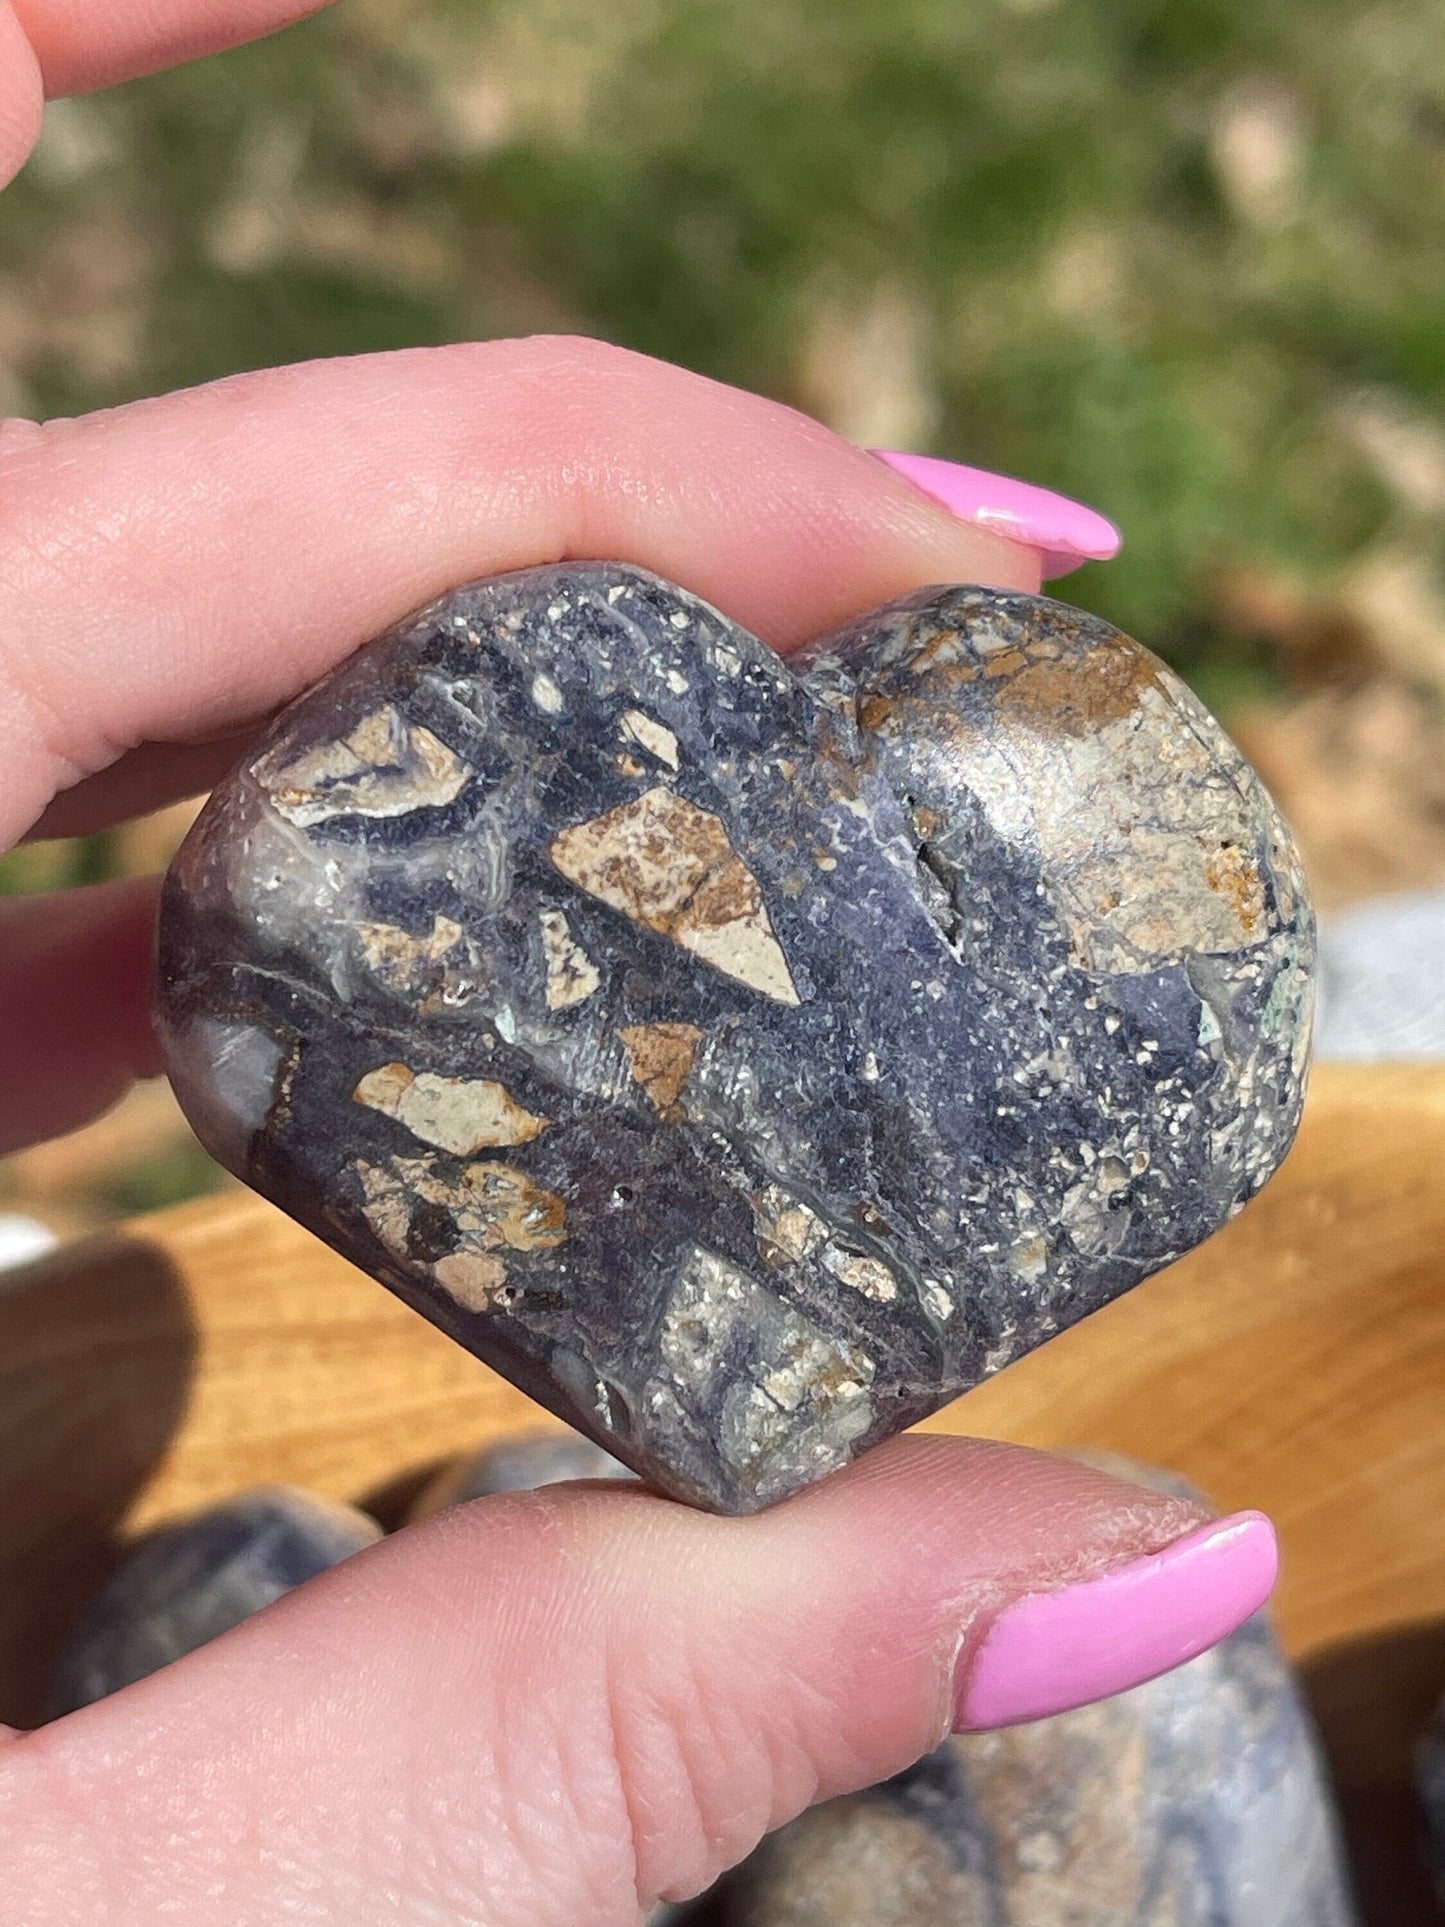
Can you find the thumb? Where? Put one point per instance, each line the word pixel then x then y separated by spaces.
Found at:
pixel 560 1706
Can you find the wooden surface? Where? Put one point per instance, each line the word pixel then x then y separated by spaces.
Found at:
pixel 1296 1363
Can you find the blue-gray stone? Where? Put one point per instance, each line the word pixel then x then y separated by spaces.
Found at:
pixel 185 1584
pixel 743 1058
pixel 1196 1801
pixel 521 1464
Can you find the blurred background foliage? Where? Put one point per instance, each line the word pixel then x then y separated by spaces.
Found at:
pixel 1182 258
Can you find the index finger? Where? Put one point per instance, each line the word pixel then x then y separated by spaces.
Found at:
pixel 179 567
pixel 50 47
pixel 80 45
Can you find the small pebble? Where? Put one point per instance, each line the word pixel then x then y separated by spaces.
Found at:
pixel 187 1583
pixel 517 1465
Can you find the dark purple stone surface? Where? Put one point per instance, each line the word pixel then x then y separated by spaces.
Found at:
pixel 188 1583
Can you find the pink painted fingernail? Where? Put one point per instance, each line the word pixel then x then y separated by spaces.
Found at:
pixel 1065 531
pixel 1051 1651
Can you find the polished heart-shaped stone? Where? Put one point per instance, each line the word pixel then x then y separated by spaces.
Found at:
pixel 743 1058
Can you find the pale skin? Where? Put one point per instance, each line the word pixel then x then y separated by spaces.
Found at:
pixel 545 1709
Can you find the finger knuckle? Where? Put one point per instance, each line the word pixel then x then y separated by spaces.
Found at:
pixel 698 1774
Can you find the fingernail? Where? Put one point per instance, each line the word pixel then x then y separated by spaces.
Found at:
pixel 1051 1651
pixel 1066 532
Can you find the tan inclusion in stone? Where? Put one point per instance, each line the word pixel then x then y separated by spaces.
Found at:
pixel 669 866
pixel 660 1057
pixel 870 1276
pixel 651 735
pixel 385 766
pixel 457 1114
pixel 1147 840
pixel 787 1229
pixel 1160 860
pixel 396 956
pixel 493 1207
pixel 571 974
pixel 433 972
pixel 473 1278
pixel 790 1232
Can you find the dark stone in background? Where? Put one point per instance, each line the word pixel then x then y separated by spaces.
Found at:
pixel 188 1583
pixel 1196 1801
pixel 743 1059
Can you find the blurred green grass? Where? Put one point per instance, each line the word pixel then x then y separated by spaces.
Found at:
pixel 1248 192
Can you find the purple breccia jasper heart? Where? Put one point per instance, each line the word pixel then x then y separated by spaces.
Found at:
pixel 743 1057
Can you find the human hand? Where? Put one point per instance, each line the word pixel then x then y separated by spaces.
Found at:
pixel 553 1707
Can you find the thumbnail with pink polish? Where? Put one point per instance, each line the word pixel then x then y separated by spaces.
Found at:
pixel 1051 1651
pixel 1065 532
